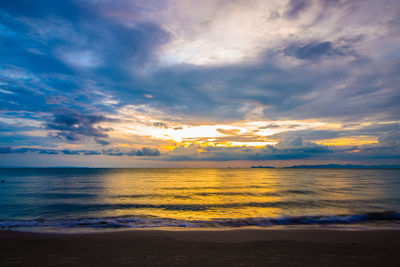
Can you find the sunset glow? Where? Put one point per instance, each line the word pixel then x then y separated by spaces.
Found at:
pixel 175 82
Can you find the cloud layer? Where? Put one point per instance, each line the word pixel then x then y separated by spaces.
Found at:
pixel 211 80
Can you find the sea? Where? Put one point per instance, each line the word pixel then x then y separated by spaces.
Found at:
pixel 88 199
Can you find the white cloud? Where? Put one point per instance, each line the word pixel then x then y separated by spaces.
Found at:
pixel 223 32
pixel 80 59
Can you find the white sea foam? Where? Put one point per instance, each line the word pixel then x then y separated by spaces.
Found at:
pixel 137 222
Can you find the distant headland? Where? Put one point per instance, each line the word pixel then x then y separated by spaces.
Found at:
pixel 332 166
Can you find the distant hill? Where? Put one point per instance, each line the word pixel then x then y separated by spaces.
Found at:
pixel 263 167
pixel 335 166
pixel 346 166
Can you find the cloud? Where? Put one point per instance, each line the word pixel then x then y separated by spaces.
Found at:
pixel 227 92
pixel 80 59
pixel 391 138
pixel 296 7
pixel 102 142
pixel 290 142
pixel 311 134
pixel 143 152
pixel 269 152
pixel 160 124
pixel 286 152
pixel 5 150
pixel 71 69
pixel 10 150
pixel 73 125
pixel 228 132
pixel 314 50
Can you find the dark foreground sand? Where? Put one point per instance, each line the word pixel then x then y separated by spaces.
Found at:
pixel 203 248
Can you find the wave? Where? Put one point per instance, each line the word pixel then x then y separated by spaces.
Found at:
pixel 215 187
pixel 149 222
pixel 79 207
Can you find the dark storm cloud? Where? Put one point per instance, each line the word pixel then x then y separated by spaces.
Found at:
pixel 143 152
pixel 73 125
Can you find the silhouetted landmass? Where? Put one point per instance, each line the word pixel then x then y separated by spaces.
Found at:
pixel 263 167
pixel 336 166
pixel 346 166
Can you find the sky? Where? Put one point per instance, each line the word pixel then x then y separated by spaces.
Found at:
pixel 212 83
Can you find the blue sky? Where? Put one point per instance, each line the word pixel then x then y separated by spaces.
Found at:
pixel 199 83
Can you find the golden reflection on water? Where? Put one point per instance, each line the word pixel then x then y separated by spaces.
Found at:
pixel 213 192
pixel 203 194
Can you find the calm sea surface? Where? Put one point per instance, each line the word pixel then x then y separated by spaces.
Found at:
pixel 199 198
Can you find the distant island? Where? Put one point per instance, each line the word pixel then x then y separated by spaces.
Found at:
pixel 333 166
pixel 263 167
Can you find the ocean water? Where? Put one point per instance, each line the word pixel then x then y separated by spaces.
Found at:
pixel 82 198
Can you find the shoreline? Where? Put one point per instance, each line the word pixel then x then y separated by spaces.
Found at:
pixel 313 247
pixel 99 230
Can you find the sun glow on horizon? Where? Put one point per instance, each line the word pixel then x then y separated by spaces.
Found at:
pixel 147 122
pixel 348 141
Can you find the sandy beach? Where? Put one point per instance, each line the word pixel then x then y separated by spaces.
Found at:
pixel 249 247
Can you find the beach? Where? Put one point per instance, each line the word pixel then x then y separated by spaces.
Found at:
pixel 245 247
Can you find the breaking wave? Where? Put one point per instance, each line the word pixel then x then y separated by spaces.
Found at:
pixel 151 222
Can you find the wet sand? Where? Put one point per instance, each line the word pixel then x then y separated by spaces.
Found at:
pixel 203 248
